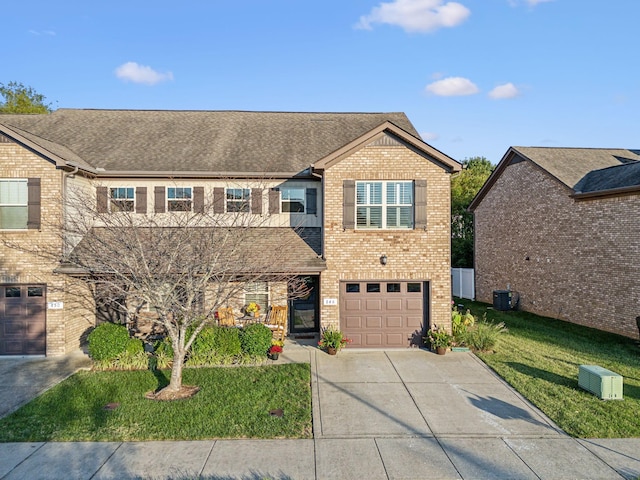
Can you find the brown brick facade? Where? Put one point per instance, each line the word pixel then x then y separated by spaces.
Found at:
pixel 422 255
pixel 577 261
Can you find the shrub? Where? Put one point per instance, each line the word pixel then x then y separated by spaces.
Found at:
pixel 163 354
pixel 255 339
pixel 483 336
pixel 460 322
pixel 214 346
pixel 107 341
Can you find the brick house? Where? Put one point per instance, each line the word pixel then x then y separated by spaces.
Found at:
pixel 372 199
pixel 561 227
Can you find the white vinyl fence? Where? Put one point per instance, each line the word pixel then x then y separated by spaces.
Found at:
pixel 463 283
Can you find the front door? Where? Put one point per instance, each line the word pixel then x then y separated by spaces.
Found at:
pixel 303 311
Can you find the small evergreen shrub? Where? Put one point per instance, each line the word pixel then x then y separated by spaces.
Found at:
pixel 255 339
pixel 107 341
pixel 215 346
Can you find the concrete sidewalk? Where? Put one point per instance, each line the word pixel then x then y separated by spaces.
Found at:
pixel 398 414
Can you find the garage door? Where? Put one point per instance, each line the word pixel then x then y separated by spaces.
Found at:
pixel 22 320
pixel 378 314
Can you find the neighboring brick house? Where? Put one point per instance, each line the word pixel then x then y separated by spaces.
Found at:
pixel 561 227
pixel 371 197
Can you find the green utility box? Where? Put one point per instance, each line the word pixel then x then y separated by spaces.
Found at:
pixel 603 383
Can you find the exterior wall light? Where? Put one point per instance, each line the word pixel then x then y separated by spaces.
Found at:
pixel 383 260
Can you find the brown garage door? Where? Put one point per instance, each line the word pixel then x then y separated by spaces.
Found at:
pixel 22 320
pixel 378 314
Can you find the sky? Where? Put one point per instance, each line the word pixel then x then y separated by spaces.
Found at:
pixel 474 76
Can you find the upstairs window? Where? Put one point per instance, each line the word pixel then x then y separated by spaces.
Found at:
pixel 293 200
pixel 121 199
pixel 179 199
pixel 238 199
pixel 382 205
pixel 14 208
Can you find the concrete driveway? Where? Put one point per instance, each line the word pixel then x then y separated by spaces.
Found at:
pixel 394 414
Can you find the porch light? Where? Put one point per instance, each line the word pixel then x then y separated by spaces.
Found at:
pixel 383 260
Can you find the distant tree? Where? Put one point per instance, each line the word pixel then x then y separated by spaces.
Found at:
pixel 464 188
pixel 21 99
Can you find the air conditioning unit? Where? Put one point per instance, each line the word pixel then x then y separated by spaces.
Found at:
pixel 603 383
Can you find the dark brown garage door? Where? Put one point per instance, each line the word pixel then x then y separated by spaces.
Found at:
pixel 378 314
pixel 22 320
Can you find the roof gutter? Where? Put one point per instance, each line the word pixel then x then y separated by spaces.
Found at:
pixel 612 192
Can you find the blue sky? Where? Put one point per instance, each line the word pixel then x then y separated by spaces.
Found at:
pixel 474 76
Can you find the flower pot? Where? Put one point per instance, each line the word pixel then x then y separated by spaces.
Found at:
pixel 441 350
pixel 332 350
pixel 274 356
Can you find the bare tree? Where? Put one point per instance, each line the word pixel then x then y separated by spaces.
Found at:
pixel 183 265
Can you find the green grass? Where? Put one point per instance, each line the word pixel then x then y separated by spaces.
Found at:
pixel 232 403
pixel 540 358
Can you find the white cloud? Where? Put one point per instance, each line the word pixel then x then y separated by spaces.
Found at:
pixel 416 15
pixel 452 87
pixel 429 136
pixel 533 3
pixel 132 72
pixel 49 33
pixel 508 90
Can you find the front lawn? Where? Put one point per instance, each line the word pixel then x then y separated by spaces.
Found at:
pixel 237 402
pixel 540 357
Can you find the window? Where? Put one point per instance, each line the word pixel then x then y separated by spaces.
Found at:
pixel 35 291
pixel 293 200
pixel 179 199
pixel 353 288
pixel 257 292
pixel 12 292
pixel 373 288
pixel 238 199
pixel 384 205
pixel 393 288
pixel 121 199
pixel 14 209
pixel 414 287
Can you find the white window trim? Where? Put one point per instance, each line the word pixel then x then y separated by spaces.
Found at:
pixel 25 204
pixel 184 200
pixel 384 205
pixel 114 201
pixel 246 202
pixel 288 201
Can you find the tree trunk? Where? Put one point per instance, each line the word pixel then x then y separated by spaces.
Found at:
pixel 175 384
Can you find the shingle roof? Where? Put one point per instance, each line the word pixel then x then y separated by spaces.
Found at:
pixel 620 176
pixel 196 141
pixel 570 165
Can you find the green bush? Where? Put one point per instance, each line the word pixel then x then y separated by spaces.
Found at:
pixel 214 346
pixel 107 341
pixel 483 336
pixel 163 353
pixel 255 339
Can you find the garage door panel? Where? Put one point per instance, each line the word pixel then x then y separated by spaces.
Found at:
pixel 390 316
pixel 13 347
pixel 353 322
pixel 34 309
pixel 13 310
pixel 14 327
pixel 394 321
pixel 373 304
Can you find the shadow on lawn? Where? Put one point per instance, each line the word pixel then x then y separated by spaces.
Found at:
pixel 551 377
pixel 160 375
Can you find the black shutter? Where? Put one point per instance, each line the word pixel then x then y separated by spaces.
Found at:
pixel 33 203
pixel 198 199
pixel 141 200
pixel 102 199
pixel 348 204
pixel 420 196
pixel 218 200
pixel 159 202
pixel 312 201
pixel 256 201
pixel 274 200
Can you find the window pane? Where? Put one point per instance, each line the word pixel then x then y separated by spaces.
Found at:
pixel 393 288
pixel 293 200
pixel 373 288
pixel 13 192
pixel 14 217
pixel 353 288
pixel 12 292
pixel 369 217
pixel 35 291
pixel 177 193
pixel 414 287
pixel 406 217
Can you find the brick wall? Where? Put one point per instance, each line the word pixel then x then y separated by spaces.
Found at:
pixel 575 261
pixel 422 255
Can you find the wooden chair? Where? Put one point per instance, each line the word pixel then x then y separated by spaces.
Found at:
pixel 277 322
pixel 226 318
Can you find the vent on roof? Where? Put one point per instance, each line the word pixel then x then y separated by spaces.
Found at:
pixel 603 383
pixel 385 141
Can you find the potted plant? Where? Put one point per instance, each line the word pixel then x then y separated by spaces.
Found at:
pixel 276 349
pixel 332 340
pixel 252 309
pixel 439 339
